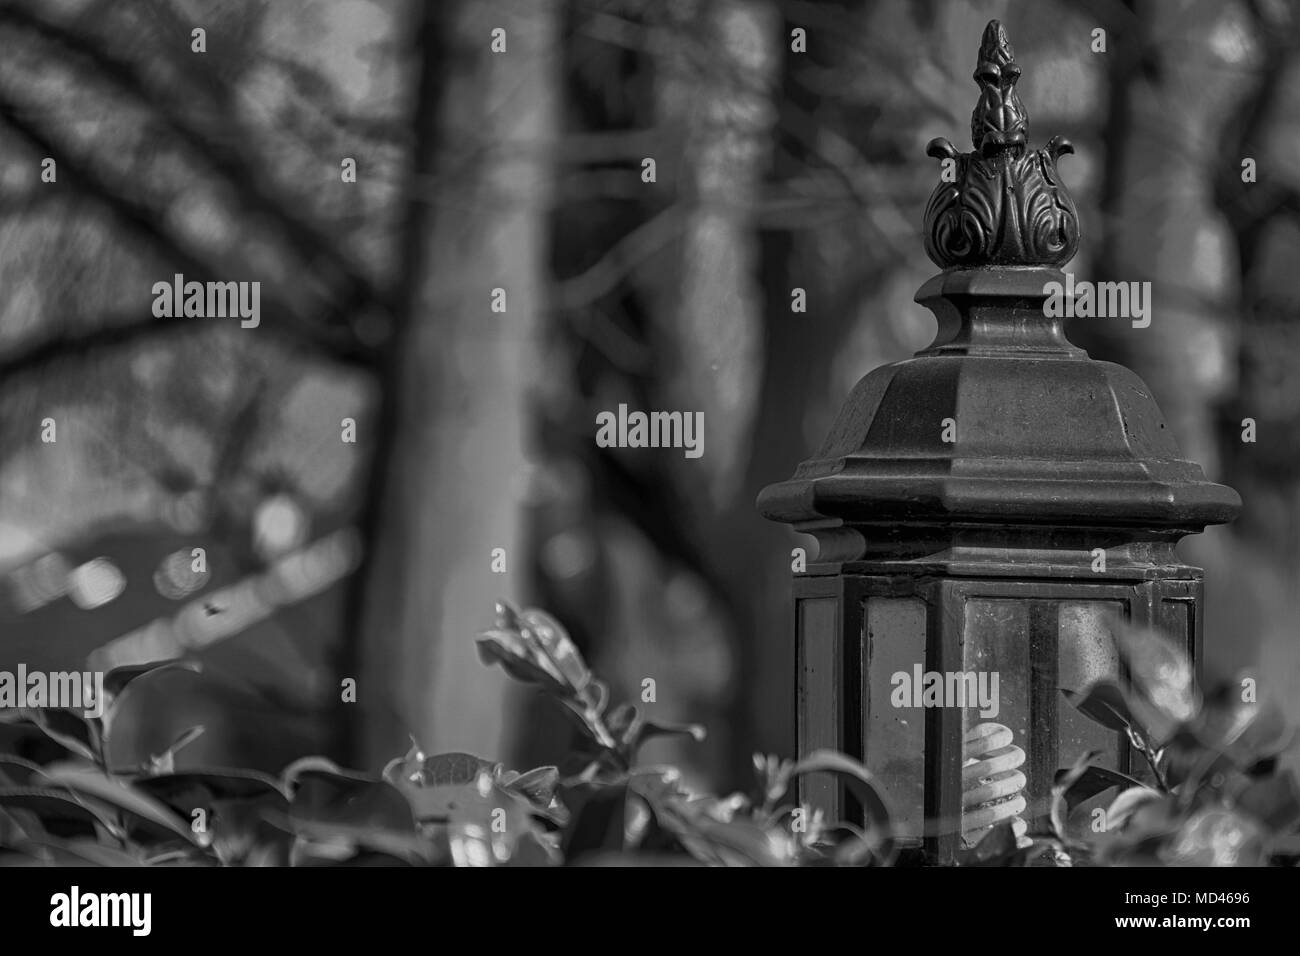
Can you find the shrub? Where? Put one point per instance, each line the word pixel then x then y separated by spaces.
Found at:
pixel 1216 795
pixel 439 809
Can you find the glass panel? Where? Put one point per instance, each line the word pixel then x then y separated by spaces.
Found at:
pixel 1176 618
pixel 997 660
pixel 997 647
pixel 1024 652
pixel 819 696
pixel 894 736
pixel 1087 653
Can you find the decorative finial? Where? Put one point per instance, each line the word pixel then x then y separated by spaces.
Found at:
pixel 1002 204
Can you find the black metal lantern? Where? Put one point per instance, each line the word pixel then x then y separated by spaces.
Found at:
pixel 986 513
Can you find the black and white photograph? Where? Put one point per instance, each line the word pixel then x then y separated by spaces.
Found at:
pixel 668 435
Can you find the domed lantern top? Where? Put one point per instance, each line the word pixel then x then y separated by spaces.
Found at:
pixel 987 513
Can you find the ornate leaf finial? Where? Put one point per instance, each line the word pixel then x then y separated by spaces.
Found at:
pixel 995 47
pixel 999 118
pixel 1002 204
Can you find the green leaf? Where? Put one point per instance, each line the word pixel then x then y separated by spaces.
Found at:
pixel 146 815
pixel 237 803
pixel 535 648
pixel 1104 702
pixel 214 783
pixel 1095 780
pixel 67 728
pixel 338 842
pixel 436 804
pixel 165 762
pixel 863 785
pixel 452 768
pixel 997 848
pixel 404 770
pixel 617 859
pixel 538 785
pixel 115 680
pixel 289 776
pixel 170 684
pixel 15 858
pixel 1126 804
pixel 1267 734
pixel 1161 674
pixel 721 840
pixel 519 659
pixel 535 848
pixel 507 616
pixel 328 795
pixel 554 641
pixel 597 820
pixel 488 826
pixel 1186 756
pixel 241 833
pixel 1061 785
pixel 1215 837
pixel 622 721
pixel 79 851
pixel 858 778
pixel 16 772
pixel 59 812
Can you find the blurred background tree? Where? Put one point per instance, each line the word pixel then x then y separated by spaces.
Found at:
pixel 784 160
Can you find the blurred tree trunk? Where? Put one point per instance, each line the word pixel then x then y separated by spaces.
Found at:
pixel 449 458
pixel 1158 223
pixel 1264 216
pixel 716 90
pixel 1256 601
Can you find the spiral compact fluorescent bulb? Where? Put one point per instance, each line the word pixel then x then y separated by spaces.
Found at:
pixel 992 786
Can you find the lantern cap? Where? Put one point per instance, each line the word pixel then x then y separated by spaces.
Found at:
pixel 1002 203
pixel 1000 434
pixel 999 431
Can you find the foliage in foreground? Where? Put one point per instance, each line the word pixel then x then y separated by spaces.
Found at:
pixel 1213 794
pixel 440 809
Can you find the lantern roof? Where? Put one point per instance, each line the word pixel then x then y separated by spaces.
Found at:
pixel 1001 423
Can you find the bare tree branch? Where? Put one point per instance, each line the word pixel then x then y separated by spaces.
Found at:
pixel 327 333
pixel 242 176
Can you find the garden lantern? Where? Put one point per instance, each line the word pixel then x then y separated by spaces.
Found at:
pixel 987 513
